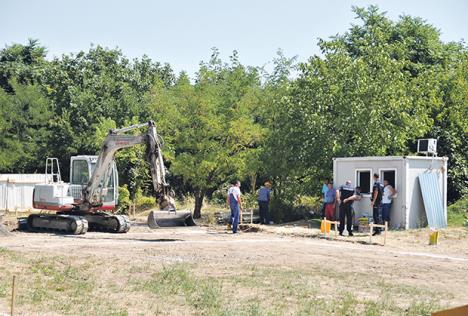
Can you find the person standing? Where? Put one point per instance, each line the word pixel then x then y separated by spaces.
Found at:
pixel 387 196
pixel 329 201
pixel 264 203
pixel 235 204
pixel 376 200
pixel 324 192
pixel 346 196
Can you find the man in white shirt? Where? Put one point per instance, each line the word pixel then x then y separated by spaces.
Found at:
pixel 235 204
pixel 387 196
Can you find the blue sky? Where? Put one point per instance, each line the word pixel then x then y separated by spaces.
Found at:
pixel 183 32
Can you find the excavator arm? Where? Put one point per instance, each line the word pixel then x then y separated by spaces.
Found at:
pixel 115 141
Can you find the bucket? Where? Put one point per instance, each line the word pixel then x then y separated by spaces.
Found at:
pixel 325 227
pixel 158 219
pixel 433 237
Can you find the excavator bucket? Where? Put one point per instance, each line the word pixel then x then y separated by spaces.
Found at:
pixel 157 219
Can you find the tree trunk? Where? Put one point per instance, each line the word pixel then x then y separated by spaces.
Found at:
pixel 199 195
pixel 253 182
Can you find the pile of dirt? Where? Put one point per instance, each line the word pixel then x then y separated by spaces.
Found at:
pixel 3 229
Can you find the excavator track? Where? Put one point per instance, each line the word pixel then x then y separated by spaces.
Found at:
pixel 59 223
pixel 110 223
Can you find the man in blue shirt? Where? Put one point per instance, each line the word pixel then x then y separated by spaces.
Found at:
pixel 264 203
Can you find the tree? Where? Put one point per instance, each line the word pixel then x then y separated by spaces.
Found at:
pixel 23 63
pixel 89 88
pixel 372 93
pixel 24 117
pixel 209 127
pixel 450 123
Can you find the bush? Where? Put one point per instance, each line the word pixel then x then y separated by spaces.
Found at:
pixel 219 195
pixel 457 213
pixel 124 200
pixel 144 203
pixel 249 200
pixel 287 212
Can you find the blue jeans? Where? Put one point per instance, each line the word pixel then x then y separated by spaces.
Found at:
pixel 386 212
pixel 235 212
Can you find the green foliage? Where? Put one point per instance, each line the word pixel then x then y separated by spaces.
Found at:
pixel 374 90
pixel 457 213
pixel 284 211
pixel 219 195
pixel 92 89
pixel 144 203
pixel 124 199
pixel 24 118
pixel 209 127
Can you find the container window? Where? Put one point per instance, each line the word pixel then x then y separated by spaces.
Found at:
pixel 390 176
pixel 363 180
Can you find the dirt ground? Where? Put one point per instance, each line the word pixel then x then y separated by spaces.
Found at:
pixel 206 270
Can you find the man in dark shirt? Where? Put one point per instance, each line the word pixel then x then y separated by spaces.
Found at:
pixel 376 200
pixel 346 196
pixel 264 203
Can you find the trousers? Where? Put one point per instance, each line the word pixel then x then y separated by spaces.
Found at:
pixel 386 212
pixel 376 216
pixel 235 213
pixel 263 207
pixel 346 212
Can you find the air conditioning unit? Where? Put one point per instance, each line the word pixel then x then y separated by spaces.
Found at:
pixel 427 146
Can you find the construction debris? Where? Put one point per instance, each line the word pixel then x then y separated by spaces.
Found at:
pixel 3 229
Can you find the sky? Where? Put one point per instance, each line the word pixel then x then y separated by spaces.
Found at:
pixel 183 33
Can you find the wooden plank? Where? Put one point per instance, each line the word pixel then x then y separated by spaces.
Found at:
pixel 457 311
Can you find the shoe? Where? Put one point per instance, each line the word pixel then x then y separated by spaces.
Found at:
pixel 350 234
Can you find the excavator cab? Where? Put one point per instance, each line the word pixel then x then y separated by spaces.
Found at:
pixel 81 169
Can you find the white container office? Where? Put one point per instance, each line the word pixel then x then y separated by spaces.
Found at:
pixel 408 208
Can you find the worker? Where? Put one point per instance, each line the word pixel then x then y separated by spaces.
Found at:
pixel 324 192
pixel 346 196
pixel 235 204
pixel 329 201
pixel 387 198
pixel 264 203
pixel 376 200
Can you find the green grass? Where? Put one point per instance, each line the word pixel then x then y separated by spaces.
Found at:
pixel 457 213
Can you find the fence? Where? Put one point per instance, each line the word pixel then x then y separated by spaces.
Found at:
pixel 16 190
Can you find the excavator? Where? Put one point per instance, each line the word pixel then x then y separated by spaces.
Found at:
pixel 85 202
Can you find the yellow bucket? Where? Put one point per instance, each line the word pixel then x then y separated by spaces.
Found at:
pixel 433 237
pixel 325 226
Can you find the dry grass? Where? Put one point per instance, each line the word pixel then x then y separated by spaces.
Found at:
pixel 62 285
